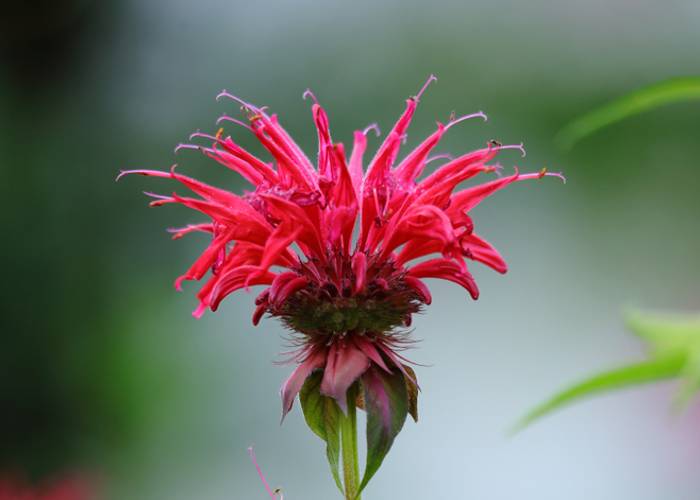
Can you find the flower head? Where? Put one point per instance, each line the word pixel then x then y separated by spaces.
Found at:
pixel 341 249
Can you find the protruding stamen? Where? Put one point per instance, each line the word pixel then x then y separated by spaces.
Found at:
pixel 493 144
pixel 226 118
pixel 122 173
pixel 444 156
pixel 308 93
pixel 159 199
pixel 431 78
pixel 497 168
pixel 545 173
pixel 240 101
pixel 454 120
pixel 260 474
pixel 372 126
pixel 157 196
pixel 212 138
pixel 186 146
pixel 540 174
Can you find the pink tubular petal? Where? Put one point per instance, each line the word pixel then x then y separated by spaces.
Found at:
pixel 418 247
pixel 277 244
pixel 292 162
pixel 280 281
pixel 389 149
pixel 457 167
pixel 423 222
pixel 345 363
pixel 359 268
pixel 369 350
pixel 358 151
pixel 324 139
pixel 287 168
pixel 412 166
pixel 292 386
pixel 466 200
pixel 419 287
pixel 237 279
pixel 206 260
pixel 447 270
pixel 482 251
pixel 295 216
pixel 144 172
pixel 179 232
pixel 290 288
pixel 258 313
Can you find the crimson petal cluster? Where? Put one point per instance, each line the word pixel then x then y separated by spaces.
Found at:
pixel 341 249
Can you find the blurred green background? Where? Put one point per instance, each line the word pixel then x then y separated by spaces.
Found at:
pixel 103 370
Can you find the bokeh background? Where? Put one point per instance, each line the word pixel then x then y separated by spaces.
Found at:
pixel 104 373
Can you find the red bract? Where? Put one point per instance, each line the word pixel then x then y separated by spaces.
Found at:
pixel 340 249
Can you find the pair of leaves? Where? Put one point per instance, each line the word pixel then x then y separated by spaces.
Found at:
pixel 386 397
pixel 674 352
pixel 644 99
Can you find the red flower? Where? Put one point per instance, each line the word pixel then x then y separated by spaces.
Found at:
pixel 11 488
pixel 337 246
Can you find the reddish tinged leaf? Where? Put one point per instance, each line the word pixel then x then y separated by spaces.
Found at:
pixel 412 391
pixel 296 380
pixel 386 403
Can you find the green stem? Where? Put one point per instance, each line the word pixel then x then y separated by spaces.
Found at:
pixel 348 430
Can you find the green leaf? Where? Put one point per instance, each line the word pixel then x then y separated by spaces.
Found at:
pixel 644 99
pixel 647 371
pixel 323 416
pixel 386 403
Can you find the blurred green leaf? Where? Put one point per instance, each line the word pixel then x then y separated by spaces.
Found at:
pixel 674 343
pixel 644 99
pixel 648 371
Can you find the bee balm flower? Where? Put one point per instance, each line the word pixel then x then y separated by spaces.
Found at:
pixel 341 249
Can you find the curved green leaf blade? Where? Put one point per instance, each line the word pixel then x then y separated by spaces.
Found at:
pixel 386 404
pixel 323 416
pixel 644 99
pixel 648 371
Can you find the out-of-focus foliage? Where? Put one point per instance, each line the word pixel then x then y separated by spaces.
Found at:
pixel 644 99
pixel 674 352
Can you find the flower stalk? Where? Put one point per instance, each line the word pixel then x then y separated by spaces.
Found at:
pixel 348 433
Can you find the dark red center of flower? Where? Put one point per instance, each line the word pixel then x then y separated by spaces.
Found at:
pixel 330 304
